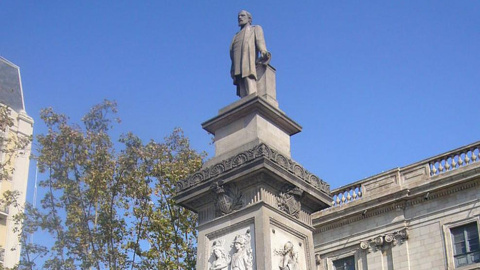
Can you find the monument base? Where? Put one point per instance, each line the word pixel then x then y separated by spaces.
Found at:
pixel 274 240
pixel 251 119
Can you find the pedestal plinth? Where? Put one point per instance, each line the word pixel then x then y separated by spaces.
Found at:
pixel 250 121
pixel 254 202
pixel 259 193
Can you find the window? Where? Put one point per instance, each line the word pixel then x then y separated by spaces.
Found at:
pixel 466 245
pixel 344 264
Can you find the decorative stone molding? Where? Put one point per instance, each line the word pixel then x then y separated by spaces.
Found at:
pixel 227 198
pixel 395 206
pixel 289 200
pixel 318 259
pixel 255 153
pixel 359 216
pixel 443 193
pixel 382 242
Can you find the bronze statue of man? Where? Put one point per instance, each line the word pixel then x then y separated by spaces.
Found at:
pixel 247 49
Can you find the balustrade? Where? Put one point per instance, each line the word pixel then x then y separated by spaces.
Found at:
pixel 449 161
pixel 347 194
pixel 455 160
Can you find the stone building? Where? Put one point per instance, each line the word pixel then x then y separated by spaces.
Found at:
pixel 422 216
pixel 16 161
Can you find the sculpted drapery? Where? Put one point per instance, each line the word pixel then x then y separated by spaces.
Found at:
pixel 246 45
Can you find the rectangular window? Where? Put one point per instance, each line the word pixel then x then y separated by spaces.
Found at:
pixel 344 264
pixel 466 245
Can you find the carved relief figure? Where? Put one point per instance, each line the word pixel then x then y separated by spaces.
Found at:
pixel 289 259
pixel 246 46
pixel 222 259
pixel 242 259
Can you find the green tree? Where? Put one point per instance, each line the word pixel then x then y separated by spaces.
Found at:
pixel 109 205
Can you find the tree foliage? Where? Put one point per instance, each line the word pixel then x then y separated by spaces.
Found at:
pixel 106 204
pixel 10 144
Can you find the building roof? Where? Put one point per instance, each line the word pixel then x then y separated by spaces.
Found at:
pixel 11 93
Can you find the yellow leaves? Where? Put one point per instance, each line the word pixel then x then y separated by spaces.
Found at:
pixel 102 203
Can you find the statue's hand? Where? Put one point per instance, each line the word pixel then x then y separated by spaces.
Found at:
pixel 265 57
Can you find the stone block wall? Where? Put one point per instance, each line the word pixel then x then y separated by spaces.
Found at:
pixel 403 226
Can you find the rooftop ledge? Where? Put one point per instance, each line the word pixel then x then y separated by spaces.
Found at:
pixel 430 170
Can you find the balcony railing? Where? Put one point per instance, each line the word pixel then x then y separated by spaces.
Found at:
pixel 455 159
pixel 428 168
pixel 347 194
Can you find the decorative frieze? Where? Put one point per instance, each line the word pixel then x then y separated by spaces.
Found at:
pixel 382 242
pixel 241 159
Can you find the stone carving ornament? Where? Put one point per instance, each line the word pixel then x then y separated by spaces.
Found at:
pixel 289 200
pixel 227 198
pixel 222 259
pixel 289 259
pixel 258 152
pixel 384 241
pixel 242 258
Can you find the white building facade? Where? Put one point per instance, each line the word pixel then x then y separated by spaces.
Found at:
pixel 17 161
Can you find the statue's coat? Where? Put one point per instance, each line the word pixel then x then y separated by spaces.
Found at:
pixel 243 60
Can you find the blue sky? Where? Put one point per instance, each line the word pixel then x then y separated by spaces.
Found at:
pixel 375 84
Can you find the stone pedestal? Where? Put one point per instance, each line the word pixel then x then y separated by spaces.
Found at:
pixel 266 84
pixel 253 201
pixel 247 122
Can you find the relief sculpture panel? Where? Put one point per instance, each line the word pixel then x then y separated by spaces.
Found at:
pixel 233 251
pixel 289 260
pixel 288 250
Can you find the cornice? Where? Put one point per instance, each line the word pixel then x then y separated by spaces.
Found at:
pixel 398 200
pixel 260 151
pixel 248 105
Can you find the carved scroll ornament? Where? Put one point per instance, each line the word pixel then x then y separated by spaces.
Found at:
pixel 384 241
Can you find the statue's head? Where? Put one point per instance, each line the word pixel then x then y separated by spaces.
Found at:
pixel 218 249
pixel 239 242
pixel 244 17
pixel 288 246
